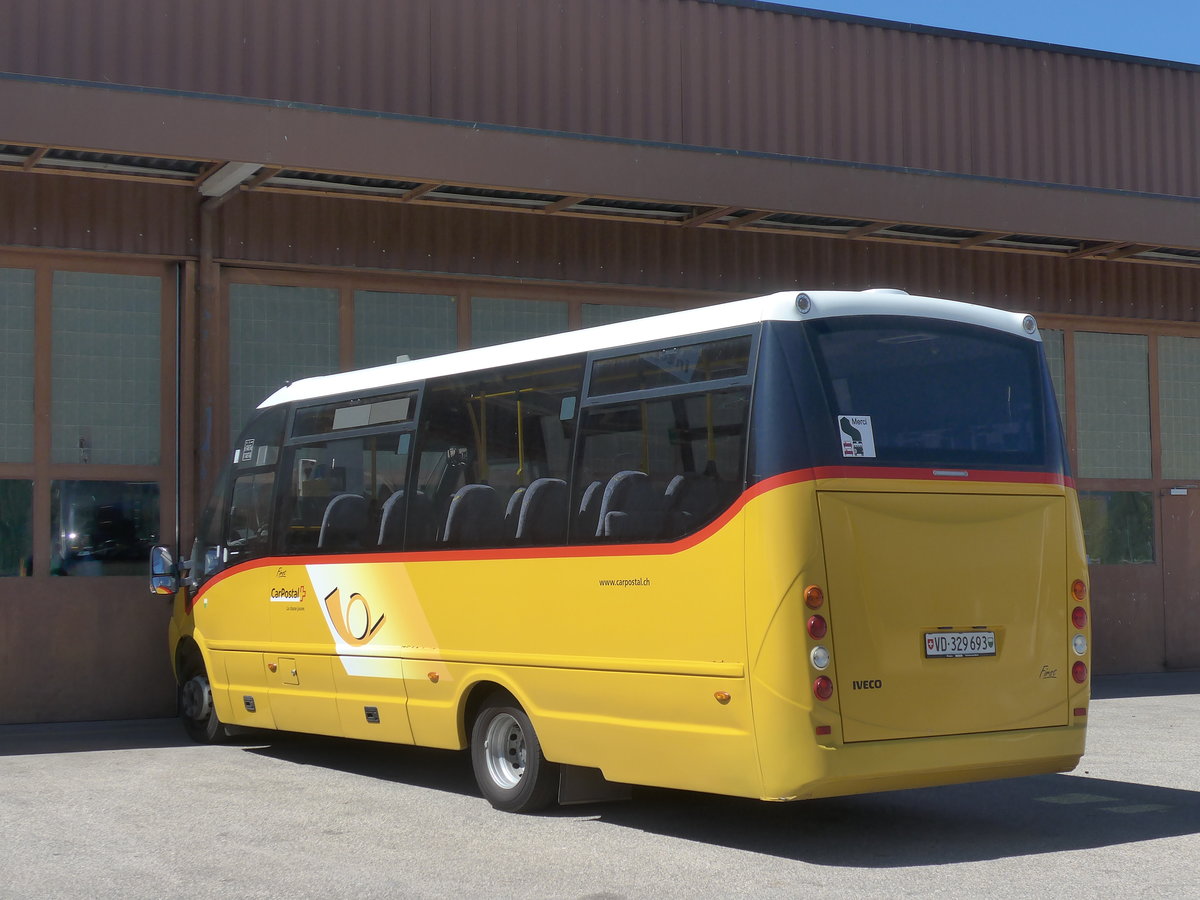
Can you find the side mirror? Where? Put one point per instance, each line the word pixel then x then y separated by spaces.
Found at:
pixel 164 574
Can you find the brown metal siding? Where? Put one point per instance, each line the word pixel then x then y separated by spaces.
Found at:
pixel 76 653
pixel 432 240
pixel 88 214
pixel 275 229
pixel 660 70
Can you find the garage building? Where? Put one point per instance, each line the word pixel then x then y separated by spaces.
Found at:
pixel 203 200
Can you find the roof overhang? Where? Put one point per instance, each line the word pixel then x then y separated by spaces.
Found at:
pixel 218 144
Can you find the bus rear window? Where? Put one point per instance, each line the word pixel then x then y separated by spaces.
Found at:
pixel 907 391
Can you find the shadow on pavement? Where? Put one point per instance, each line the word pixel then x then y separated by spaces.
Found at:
pixel 439 770
pixel 1156 684
pixel 926 827
pixel 84 737
pixel 931 826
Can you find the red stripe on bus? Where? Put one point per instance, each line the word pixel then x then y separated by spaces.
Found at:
pixel 584 551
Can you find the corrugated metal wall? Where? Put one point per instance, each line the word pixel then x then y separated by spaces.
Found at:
pixel 277 229
pixel 92 214
pixel 663 70
pixel 515 245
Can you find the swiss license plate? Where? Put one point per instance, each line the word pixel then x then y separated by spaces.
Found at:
pixel 960 643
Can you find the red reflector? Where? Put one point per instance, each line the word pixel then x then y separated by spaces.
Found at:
pixel 823 687
pixel 817 627
pixel 1079 617
pixel 824 729
pixel 1079 672
pixel 1081 710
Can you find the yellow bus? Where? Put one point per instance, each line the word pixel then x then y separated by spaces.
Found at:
pixel 803 545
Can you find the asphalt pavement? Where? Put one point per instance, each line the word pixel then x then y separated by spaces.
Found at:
pixel 133 810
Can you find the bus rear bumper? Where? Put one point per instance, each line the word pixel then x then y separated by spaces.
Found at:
pixel 928 762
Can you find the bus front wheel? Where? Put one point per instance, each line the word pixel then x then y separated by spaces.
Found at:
pixel 196 709
pixel 506 755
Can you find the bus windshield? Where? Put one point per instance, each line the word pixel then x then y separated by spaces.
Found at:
pixel 916 392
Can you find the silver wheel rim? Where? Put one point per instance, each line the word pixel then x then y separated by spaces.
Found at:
pixel 196 698
pixel 504 751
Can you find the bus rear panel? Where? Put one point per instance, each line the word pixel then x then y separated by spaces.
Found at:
pixel 926 500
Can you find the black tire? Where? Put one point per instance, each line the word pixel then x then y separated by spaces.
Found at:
pixel 506 755
pixel 196 710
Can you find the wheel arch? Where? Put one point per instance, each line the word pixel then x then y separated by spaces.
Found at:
pixel 188 655
pixel 476 694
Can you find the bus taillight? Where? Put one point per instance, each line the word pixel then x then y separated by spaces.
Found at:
pixel 1079 617
pixel 823 687
pixel 1078 672
pixel 813 597
pixel 817 627
pixel 1079 590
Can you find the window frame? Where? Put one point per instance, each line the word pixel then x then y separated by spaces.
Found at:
pixel 294 439
pixel 175 408
pixel 587 399
pixel 589 403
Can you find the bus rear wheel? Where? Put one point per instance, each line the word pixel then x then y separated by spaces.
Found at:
pixel 506 755
pixel 196 709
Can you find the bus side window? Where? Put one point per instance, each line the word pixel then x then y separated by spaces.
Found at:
pixel 495 456
pixel 447 461
pixel 248 528
pixel 346 494
pixel 237 523
pixel 658 469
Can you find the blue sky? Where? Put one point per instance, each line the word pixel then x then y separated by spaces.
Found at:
pixel 1160 29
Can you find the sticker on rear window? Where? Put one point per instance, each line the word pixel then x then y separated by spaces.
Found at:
pixel 857 437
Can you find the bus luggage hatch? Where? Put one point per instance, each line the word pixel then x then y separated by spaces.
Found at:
pixel 947 613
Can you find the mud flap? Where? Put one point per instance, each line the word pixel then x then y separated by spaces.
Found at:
pixel 582 784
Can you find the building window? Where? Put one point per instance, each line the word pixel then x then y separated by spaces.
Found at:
pixel 1112 388
pixel 16 531
pixel 100 407
pixel 606 313
pixel 1052 343
pixel 388 325
pixel 107 365
pixel 495 321
pixel 102 527
pixel 1179 405
pixel 277 334
pixel 1118 526
pixel 16 365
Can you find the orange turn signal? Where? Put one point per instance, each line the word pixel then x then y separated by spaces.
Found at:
pixel 813 597
pixel 434 677
pixel 1079 589
pixel 723 696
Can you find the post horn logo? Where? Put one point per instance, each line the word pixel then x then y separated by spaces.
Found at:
pixel 352 619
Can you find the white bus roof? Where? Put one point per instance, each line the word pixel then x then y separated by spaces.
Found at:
pixel 773 307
